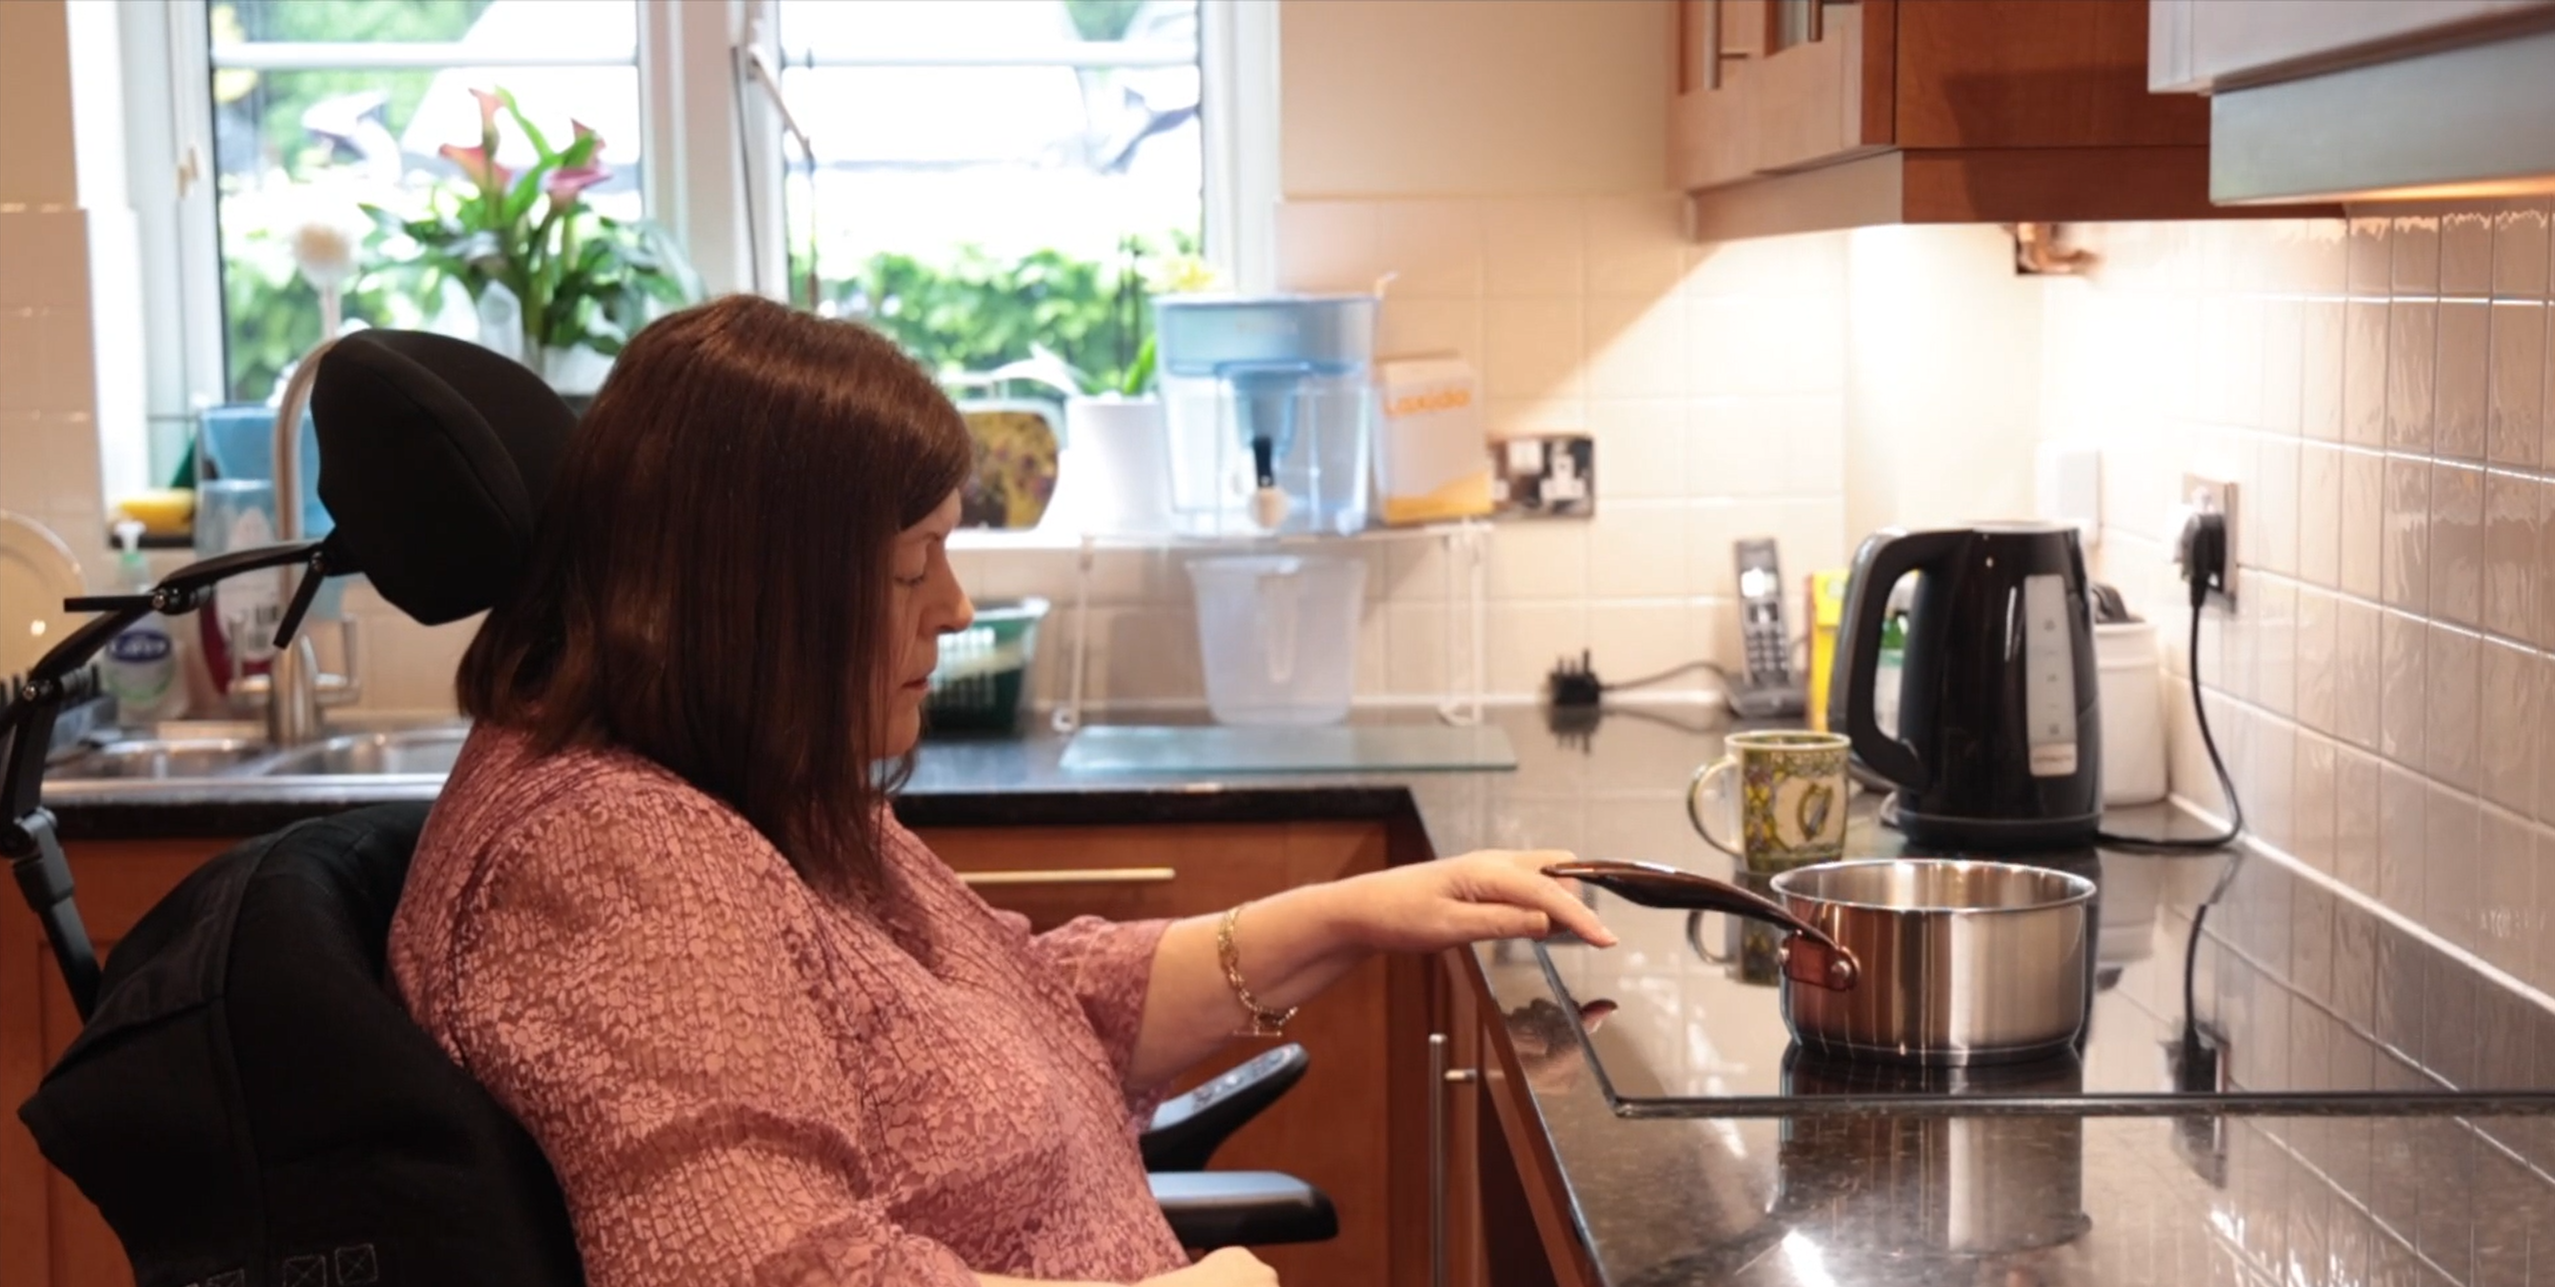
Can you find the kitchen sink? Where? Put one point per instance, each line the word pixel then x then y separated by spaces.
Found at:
pixel 428 751
pixel 155 758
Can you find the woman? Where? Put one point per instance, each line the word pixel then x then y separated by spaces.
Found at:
pixel 663 913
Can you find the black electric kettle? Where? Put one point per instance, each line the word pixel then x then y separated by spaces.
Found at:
pixel 1999 740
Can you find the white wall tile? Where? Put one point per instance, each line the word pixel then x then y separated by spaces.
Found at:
pixel 2412 353
pixel 2276 485
pixel 1641 448
pixel 2520 249
pixel 2461 389
pixel 2356 812
pixel 1527 638
pixel 2403 837
pixel 1433 248
pixel 2517 373
pixel 44 258
pixel 2506 757
pixel 2510 554
pixel 2403 709
pixel 1545 559
pixel 2360 679
pixel 2453 726
pixel 1534 348
pixel 2368 265
pixel 1328 246
pixel 2452 876
pixel 2318 658
pixel 2361 562
pixel 1408 327
pixel 2466 252
pixel 2457 544
pixel 2283 365
pixel 1636 346
pixel 2269 791
pixel 2405 576
pixel 2508 893
pixel 1729 452
pixel 2319 534
pixel 2311 827
pixel 1638 550
pixel 2273 605
pixel 2320 369
pixel 1415 662
pixel 2413 255
pixel 1636 639
pixel 2364 371
pixel 1636 245
pixel 1533 246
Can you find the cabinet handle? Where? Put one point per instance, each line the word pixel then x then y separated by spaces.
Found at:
pixel 1439 1078
pixel 1815 27
pixel 1711 80
pixel 1073 876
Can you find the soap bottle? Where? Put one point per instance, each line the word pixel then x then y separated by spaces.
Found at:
pixel 1885 678
pixel 141 665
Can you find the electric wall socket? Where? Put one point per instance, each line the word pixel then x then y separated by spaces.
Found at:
pixel 2206 495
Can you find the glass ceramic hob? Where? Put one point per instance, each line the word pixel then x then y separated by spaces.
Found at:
pixel 2307 1002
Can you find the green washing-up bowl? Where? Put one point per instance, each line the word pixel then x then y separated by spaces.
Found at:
pixel 982 682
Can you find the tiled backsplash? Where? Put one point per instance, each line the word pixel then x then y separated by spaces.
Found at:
pixel 2378 389
pixel 1712 378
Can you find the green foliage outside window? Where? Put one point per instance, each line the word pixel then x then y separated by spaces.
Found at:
pixel 974 312
pixel 277 100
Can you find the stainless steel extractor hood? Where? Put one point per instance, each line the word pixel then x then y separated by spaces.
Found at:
pixel 2473 120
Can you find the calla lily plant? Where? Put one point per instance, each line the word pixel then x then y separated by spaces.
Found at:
pixel 581 278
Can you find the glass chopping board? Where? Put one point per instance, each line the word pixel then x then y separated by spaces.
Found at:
pixel 1215 748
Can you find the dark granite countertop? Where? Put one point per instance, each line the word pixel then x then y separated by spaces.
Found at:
pixel 2426 1192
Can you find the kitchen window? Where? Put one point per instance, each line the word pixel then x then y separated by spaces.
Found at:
pixel 985 174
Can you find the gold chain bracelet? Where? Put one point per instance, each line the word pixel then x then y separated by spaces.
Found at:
pixel 1265 1022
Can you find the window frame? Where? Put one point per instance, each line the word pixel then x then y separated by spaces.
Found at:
pixel 690 62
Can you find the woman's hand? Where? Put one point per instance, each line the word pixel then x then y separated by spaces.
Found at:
pixel 1492 893
pixel 1230 1267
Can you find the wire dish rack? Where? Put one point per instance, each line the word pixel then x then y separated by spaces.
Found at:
pixel 1465 544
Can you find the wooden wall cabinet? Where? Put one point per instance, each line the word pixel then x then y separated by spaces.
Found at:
pixel 1829 115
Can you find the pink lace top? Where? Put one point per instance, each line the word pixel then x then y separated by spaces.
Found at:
pixel 741 1078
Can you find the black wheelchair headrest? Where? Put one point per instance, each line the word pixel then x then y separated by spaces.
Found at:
pixel 434 454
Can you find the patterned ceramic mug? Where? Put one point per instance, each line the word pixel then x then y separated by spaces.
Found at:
pixel 1792 788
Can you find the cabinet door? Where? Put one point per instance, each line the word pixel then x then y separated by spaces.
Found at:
pixel 1332 1129
pixel 50 1236
pixel 1821 85
pixel 2200 45
pixel 1711 136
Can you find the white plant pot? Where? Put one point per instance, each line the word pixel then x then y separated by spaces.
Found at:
pixel 1113 475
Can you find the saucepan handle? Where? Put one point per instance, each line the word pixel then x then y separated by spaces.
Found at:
pixel 1810 955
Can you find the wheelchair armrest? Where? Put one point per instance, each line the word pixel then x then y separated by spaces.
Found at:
pixel 1187 1128
pixel 1211 1209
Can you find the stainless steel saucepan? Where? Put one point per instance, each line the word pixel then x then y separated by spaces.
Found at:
pixel 1934 961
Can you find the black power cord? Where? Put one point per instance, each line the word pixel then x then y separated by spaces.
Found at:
pixel 2204 562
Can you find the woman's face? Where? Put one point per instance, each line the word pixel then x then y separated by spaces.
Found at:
pixel 924 603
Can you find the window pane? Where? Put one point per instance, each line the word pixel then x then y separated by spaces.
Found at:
pixel 973 210
pixel 563 29
pixel 303 152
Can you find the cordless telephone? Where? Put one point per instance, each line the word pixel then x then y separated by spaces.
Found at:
pixel 1766 688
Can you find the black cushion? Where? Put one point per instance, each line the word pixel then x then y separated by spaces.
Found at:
pixel 434 454
pixel 251 1098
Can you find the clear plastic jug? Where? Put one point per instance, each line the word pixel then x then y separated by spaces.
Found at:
pixel 1277 634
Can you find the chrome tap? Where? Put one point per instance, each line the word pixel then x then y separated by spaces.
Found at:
pixel 295 688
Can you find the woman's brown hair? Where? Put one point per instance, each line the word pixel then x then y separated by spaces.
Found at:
pixel 709 581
